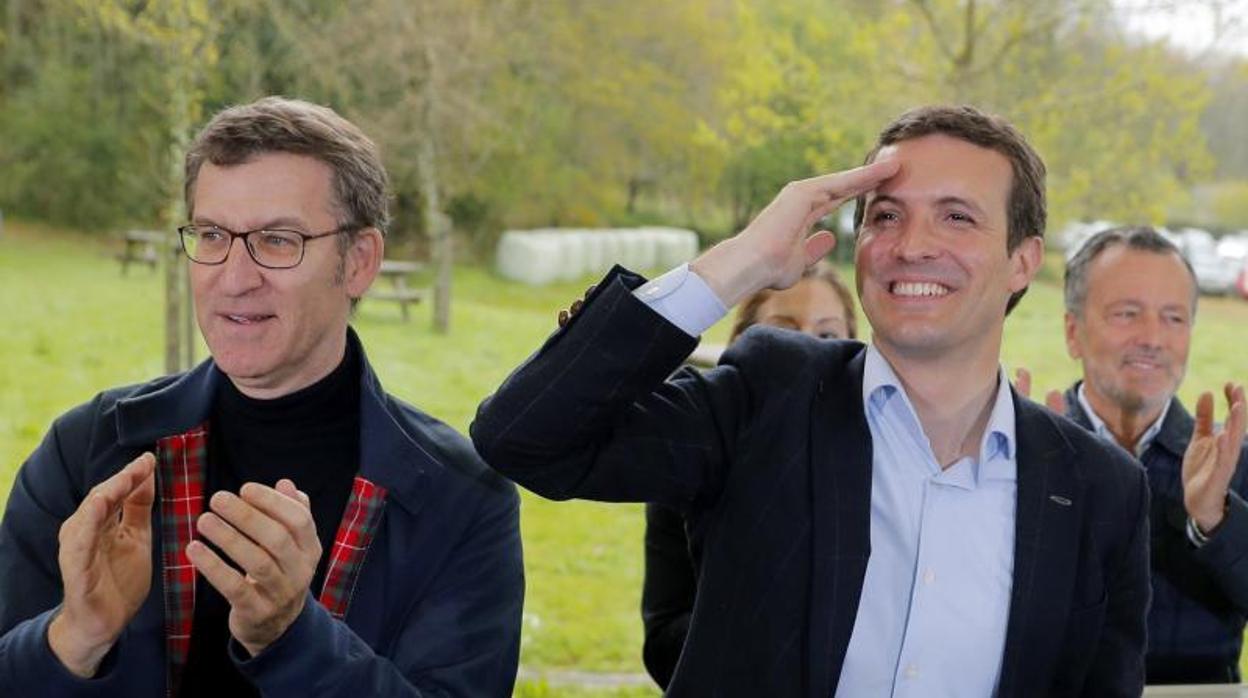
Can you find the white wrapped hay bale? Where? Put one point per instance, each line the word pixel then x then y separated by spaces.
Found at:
pixel 546 255
pixel 532 257
pixel 572 255
pixel 675 246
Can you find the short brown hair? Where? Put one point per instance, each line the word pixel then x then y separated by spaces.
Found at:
pixel 747 312
pixel 1026 206
pixel 280 125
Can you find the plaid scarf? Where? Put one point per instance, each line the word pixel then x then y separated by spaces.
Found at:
pixel 181 460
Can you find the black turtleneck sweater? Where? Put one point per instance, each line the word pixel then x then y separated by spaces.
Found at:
pixel 312 437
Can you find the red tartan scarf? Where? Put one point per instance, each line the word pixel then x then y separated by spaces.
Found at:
pixel 181 460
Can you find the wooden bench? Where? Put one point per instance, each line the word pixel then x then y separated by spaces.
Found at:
pixel 398 273
pixel 143 247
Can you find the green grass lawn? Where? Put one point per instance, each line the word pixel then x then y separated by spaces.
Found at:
pixel 74 326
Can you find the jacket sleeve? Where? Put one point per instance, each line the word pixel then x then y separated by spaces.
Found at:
pixel 1118 666
pixel 461 640
pixel 46 491
pixel 1225 555
pixel 667 592
pixel 590 415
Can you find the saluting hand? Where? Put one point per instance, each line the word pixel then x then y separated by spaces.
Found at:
pixel 776 247
pixel 1209 463
pixel 269 533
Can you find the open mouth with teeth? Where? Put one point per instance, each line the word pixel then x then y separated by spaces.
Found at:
pixel 918 289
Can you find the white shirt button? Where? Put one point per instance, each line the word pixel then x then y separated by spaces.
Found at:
pixel 929 576
pixel 912 671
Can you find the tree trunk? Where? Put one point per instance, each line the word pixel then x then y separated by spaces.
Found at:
pixel 437 226
pixel 179 349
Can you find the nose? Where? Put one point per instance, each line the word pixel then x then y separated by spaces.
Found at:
pixel 1150 332
pixel 914 242
pixel 239 272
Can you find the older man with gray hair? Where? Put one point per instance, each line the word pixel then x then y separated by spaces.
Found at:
pixel 1130 306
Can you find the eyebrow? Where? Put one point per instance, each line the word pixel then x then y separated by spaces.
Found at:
pixel 942 201
pixel 271 224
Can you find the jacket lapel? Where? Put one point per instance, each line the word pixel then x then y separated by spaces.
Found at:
pixel 1048 518
pixel 841 513
pixel 355 534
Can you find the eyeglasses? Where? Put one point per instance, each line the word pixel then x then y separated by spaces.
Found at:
pixel 271 249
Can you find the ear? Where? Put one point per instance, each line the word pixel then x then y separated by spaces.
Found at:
pixel 1025 261
pixel 1072 336
pixel 363 261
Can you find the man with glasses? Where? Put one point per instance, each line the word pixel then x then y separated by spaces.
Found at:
pixel 271 522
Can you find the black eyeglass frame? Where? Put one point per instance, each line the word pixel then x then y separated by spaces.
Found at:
pixel 246 237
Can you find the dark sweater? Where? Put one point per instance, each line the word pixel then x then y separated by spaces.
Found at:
pixel 311 437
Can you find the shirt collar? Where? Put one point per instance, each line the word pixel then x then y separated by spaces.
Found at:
pixel 1101 430
pixel 880 385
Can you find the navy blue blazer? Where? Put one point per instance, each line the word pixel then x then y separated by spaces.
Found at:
pixel 435 611
pixel 769 455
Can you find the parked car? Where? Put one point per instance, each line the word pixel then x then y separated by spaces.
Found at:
pixel 1216 274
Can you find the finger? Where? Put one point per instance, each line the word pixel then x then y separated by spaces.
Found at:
pixel 576 307
pixel 254 560
pixel 1235 421
pixel 850 183
pixel 1233 432
pixel 136 510
pixel 288 511
pixel 1022 382
pixel 563 318
pixel 819 245
pixel 115 489
pixel 590 289
pixel 1204 415
pixel 287 487
pixel 225 579
pixel 262 529
pixel 1055 401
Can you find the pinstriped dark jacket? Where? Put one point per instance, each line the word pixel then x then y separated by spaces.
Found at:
pixel 769 454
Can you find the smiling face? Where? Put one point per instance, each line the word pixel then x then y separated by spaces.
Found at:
pixel 933 272
pixel 274 331
pixel 1134 330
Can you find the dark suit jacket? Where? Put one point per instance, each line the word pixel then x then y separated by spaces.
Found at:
pixel 1200 595
pixel 769 455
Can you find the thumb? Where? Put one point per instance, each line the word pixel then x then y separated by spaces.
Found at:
pixel 1055 401
pixel 1022 382
pixel 819 245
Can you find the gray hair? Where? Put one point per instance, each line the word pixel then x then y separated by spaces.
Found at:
pixel 1143 238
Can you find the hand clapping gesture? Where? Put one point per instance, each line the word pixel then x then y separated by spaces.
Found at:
pixel 1209 463
pixel 105 559
pixel 270 534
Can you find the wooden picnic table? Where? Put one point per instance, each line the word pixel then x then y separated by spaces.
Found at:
pixel 143 247
pixel 397 272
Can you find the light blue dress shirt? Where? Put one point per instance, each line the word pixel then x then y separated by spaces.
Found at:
pixel 935 601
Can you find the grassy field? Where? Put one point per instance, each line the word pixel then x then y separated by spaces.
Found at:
pixel 74 326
